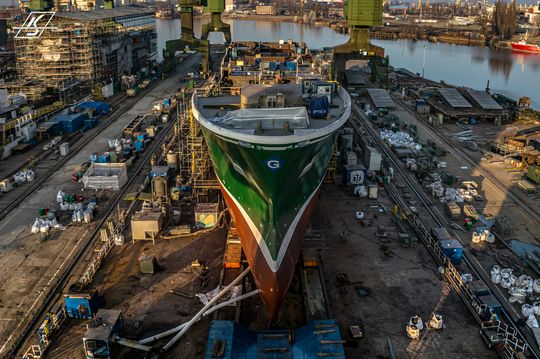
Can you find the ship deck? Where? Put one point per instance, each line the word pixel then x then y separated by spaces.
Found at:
pixel 216 108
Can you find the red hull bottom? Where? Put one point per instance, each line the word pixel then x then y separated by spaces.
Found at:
pixel 273 285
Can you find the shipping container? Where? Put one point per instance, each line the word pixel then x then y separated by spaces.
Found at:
pixel 453 210
pixel 372 158
pixel 81 305
pixel 352 158
pixel 440 234
pixel 452 249
pixel 470 212
pixel 72 123
pixel 98 107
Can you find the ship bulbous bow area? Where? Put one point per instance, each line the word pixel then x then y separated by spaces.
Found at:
pixel 271 277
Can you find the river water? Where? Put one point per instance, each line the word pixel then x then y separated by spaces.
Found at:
pixel 511 74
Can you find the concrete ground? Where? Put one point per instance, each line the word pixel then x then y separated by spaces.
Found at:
pixel 145 300
pixel 28 267
pixel 400 282
pixel 496 201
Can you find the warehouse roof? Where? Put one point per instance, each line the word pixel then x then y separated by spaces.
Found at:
pixel 102 14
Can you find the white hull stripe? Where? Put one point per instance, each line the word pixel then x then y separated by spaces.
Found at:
pixel 273 264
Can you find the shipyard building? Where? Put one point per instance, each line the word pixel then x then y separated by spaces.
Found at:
pixel 86 51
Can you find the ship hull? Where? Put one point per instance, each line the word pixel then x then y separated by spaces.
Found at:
pixel 529 48
pixel 273 285
pixel 271 192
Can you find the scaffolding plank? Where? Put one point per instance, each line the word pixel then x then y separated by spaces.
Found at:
pixel 454 98
pixel 484 100
pixel 380 98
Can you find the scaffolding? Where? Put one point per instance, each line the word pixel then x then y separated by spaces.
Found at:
pixel 330 176
pixel 195 165
pixel 93 48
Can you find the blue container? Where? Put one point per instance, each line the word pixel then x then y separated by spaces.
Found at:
pixel 141 137
pixel 89 124
pixel 56 128
pixel 491 302
pixel 72 123
pixel 139 146
pixel 104 158
pixel 291 66
pixel 166 102
pixel 453 249
pixel 100 107
pixel 81 305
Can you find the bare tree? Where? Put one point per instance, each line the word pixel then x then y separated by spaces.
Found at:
pixel 504 21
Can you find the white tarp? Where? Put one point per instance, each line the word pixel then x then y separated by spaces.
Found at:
pixel 105 176
pixel 269 118
pixel 207 297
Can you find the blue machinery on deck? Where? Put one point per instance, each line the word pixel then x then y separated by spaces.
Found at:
pixel 230 340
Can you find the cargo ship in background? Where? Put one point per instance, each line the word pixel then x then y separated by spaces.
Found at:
pixel 270 138
pixel 524 46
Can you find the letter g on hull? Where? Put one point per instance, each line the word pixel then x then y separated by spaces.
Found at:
pixel 274 164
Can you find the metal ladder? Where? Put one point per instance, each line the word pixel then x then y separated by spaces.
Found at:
pixel 33 352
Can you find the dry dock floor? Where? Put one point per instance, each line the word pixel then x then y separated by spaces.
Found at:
pixel 145 300
pixel 387 289
pixel 401 283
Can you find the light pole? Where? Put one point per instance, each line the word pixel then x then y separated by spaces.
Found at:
pixel 424 61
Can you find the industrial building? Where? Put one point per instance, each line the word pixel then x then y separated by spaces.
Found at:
pixel 89 48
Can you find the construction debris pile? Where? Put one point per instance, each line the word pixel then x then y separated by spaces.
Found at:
pixel 400 140
pixel 521 289
pixel 447 194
